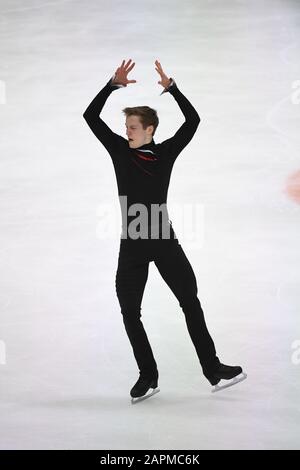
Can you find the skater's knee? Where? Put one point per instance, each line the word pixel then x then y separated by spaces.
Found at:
pixel 189 302
pixel 131 312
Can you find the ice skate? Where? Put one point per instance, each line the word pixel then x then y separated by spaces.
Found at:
pixel 225 372
pixel 144 388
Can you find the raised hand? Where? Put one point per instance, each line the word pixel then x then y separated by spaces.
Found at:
pixel 122 72
pixel 165 81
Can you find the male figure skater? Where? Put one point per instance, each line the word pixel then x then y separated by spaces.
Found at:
pixel 143 169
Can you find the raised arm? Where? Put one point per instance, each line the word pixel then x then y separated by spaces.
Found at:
pixel 92 113
pixel 183 136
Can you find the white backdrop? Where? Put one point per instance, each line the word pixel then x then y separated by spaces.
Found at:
pixel 66 364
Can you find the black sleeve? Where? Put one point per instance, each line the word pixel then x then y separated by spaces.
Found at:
pixel 173 146
pixel 107 137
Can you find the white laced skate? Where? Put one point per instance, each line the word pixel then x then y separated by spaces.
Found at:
pixel 234 381
pixel 151 391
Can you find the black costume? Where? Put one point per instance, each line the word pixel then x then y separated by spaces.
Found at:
pixel 143 175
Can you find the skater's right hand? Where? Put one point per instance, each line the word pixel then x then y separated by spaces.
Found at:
pixel 165 81
pixel 122 72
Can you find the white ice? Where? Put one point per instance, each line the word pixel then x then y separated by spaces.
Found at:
pixel 66 365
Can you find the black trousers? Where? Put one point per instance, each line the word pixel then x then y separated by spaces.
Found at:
pixel 176 270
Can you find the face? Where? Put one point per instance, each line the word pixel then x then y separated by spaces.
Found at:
pixel 137 136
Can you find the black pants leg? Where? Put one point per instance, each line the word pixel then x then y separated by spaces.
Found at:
pixel 176 270
pixel 131 277
pixel 178 273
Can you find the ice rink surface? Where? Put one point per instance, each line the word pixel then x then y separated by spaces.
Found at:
pixel 66 365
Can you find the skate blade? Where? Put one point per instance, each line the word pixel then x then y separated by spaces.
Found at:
pixel 144 397
pixel 234 381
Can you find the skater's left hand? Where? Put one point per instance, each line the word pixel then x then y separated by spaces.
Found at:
pixel 122 72
pixel 165 81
